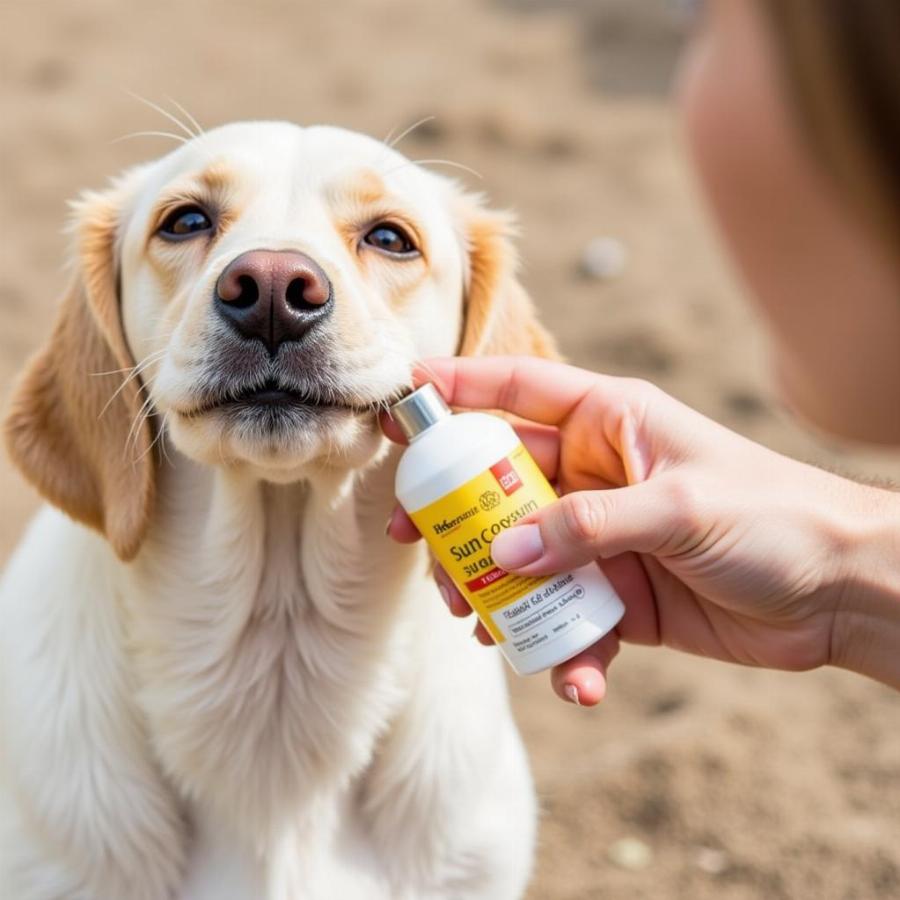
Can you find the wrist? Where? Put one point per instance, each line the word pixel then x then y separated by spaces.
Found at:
pixel 866 624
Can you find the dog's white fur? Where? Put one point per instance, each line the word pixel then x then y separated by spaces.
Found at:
pixel 242 689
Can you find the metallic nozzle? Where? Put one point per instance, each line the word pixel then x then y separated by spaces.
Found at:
pixel 419 410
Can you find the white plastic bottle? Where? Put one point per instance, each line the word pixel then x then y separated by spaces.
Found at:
pixel 463 480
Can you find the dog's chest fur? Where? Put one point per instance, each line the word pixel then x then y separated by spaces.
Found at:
pixel 268 643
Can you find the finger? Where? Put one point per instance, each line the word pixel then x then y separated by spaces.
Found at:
pixel 585 525
pixel 542 442
pixel 401 528
pixel 391 429
pixel 582 679
pixel 455 601
pixel 629 576
pixel 482 635
pixel 533 388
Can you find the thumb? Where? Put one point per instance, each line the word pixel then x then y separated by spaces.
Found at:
pixel 582 526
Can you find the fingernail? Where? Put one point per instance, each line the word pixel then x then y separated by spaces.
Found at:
pixel 571 693
pixel 517 547
pixel 445 594
pixel 387 525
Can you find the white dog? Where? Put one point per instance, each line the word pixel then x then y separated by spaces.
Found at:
pixel 231 684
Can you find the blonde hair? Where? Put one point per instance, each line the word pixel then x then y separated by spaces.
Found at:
pixel 841 59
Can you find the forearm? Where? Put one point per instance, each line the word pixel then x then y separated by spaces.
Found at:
pixel 866 631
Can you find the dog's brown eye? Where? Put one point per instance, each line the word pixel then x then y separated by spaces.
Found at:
pixel 185 222
pixel 390 239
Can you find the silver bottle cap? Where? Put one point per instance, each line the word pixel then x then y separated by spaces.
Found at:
pixel 419 410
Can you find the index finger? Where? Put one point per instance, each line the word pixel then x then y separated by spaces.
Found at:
pixel 533 388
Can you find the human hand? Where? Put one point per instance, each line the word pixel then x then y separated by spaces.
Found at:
pixel 717 546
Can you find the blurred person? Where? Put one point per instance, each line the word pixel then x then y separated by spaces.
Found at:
pixel 719 546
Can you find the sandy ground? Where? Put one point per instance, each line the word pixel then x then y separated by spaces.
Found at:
pixel 742 784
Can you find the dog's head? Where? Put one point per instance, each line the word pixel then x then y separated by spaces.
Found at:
pixel 258 294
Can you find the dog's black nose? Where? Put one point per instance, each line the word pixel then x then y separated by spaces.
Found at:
pixel 273 296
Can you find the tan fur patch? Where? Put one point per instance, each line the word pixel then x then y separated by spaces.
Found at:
pixel 218 178
pixel 499 315
pixel 65 430
pixel 363 187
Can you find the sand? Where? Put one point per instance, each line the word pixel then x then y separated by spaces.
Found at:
pixel 735 783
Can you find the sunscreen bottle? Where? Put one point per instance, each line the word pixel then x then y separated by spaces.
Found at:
pixel 463 480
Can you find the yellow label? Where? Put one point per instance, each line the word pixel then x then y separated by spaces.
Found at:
pixel 461 526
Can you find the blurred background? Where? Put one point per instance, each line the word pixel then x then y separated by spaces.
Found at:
pixel 693 780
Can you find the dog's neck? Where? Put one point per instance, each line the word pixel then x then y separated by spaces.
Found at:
pixel 291 621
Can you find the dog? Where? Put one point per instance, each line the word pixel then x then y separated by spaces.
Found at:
pixel 218 677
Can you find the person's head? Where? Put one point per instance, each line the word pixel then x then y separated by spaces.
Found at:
pixel 792 109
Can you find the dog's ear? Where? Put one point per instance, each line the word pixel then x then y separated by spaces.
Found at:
pixel 499 315
pixel 74 425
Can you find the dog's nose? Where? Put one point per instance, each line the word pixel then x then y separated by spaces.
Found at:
pixel 273 296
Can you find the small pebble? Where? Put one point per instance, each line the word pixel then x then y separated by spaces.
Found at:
pixel 629 853
pixel 710 860
pixel 604 258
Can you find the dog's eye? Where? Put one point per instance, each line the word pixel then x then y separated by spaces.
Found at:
pixel 185 222
pixel 390 239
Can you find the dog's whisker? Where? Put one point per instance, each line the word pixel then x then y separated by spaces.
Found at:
pixel 434 162
pixel 111 372
pixel 156 353
pixel 151 358
pixel 137 134
pixel 134 443
pixel 165 440
pixel 134 373
pixel 164 336
pixel 163 112
pixel 393 143
pixel 157 440
pixel 448 162
pixel 149 449
pixel 143 414
pixel 198 128
pixel 386 139
pixel 138 419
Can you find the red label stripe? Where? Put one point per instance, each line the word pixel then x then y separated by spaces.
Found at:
pixel 486 580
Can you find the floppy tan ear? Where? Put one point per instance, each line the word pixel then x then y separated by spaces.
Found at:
pixel 72 440
pixel 499 315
